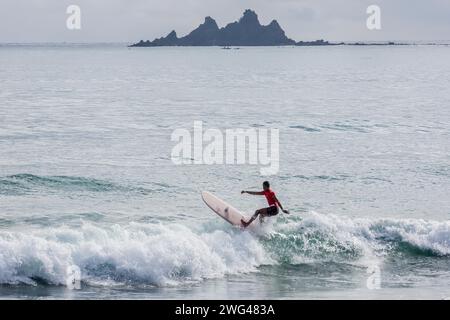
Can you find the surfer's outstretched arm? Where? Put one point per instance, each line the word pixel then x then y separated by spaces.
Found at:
pixel 255 193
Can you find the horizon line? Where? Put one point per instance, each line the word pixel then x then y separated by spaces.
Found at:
pixel 408 42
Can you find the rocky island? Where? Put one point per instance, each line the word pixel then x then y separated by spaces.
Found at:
pixel 248 31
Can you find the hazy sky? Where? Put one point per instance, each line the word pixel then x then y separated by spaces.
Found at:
pixel 132 20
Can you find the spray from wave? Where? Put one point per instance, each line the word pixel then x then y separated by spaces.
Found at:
pixel 172 254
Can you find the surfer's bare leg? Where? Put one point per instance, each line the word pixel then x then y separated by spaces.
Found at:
pixel 261 212
pixel 246 224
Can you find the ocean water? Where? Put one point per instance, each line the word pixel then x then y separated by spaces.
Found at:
pixel 86 177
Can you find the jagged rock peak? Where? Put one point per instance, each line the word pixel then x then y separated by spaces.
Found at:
pixel 210 21
pixel 249 17
pixel 274 23
pixel 172 35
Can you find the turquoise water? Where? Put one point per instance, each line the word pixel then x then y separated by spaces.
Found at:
pixel 86 176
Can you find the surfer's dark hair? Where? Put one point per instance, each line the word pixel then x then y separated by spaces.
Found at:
pixel 266 184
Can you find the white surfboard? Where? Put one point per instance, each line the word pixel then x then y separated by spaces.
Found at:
pixel 223 209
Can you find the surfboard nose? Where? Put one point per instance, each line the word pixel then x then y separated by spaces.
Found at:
pixel 223 209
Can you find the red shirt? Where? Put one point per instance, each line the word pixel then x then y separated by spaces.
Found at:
pixel 270 196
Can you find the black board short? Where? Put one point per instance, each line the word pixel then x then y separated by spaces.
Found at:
pixel 272 210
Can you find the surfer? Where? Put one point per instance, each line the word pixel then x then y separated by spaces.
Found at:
pixel 272 210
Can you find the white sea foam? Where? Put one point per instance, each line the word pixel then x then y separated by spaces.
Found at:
pixel 170 254
pixel 150 254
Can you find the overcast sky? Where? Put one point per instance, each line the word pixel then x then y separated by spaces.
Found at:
pixel 132 20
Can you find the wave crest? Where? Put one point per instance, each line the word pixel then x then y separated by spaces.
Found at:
pixel 170 254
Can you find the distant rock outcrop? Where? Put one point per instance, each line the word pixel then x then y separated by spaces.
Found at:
pixel 317 43
pixel 246 32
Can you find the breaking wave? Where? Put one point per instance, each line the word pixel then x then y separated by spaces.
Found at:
pixel 172 254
